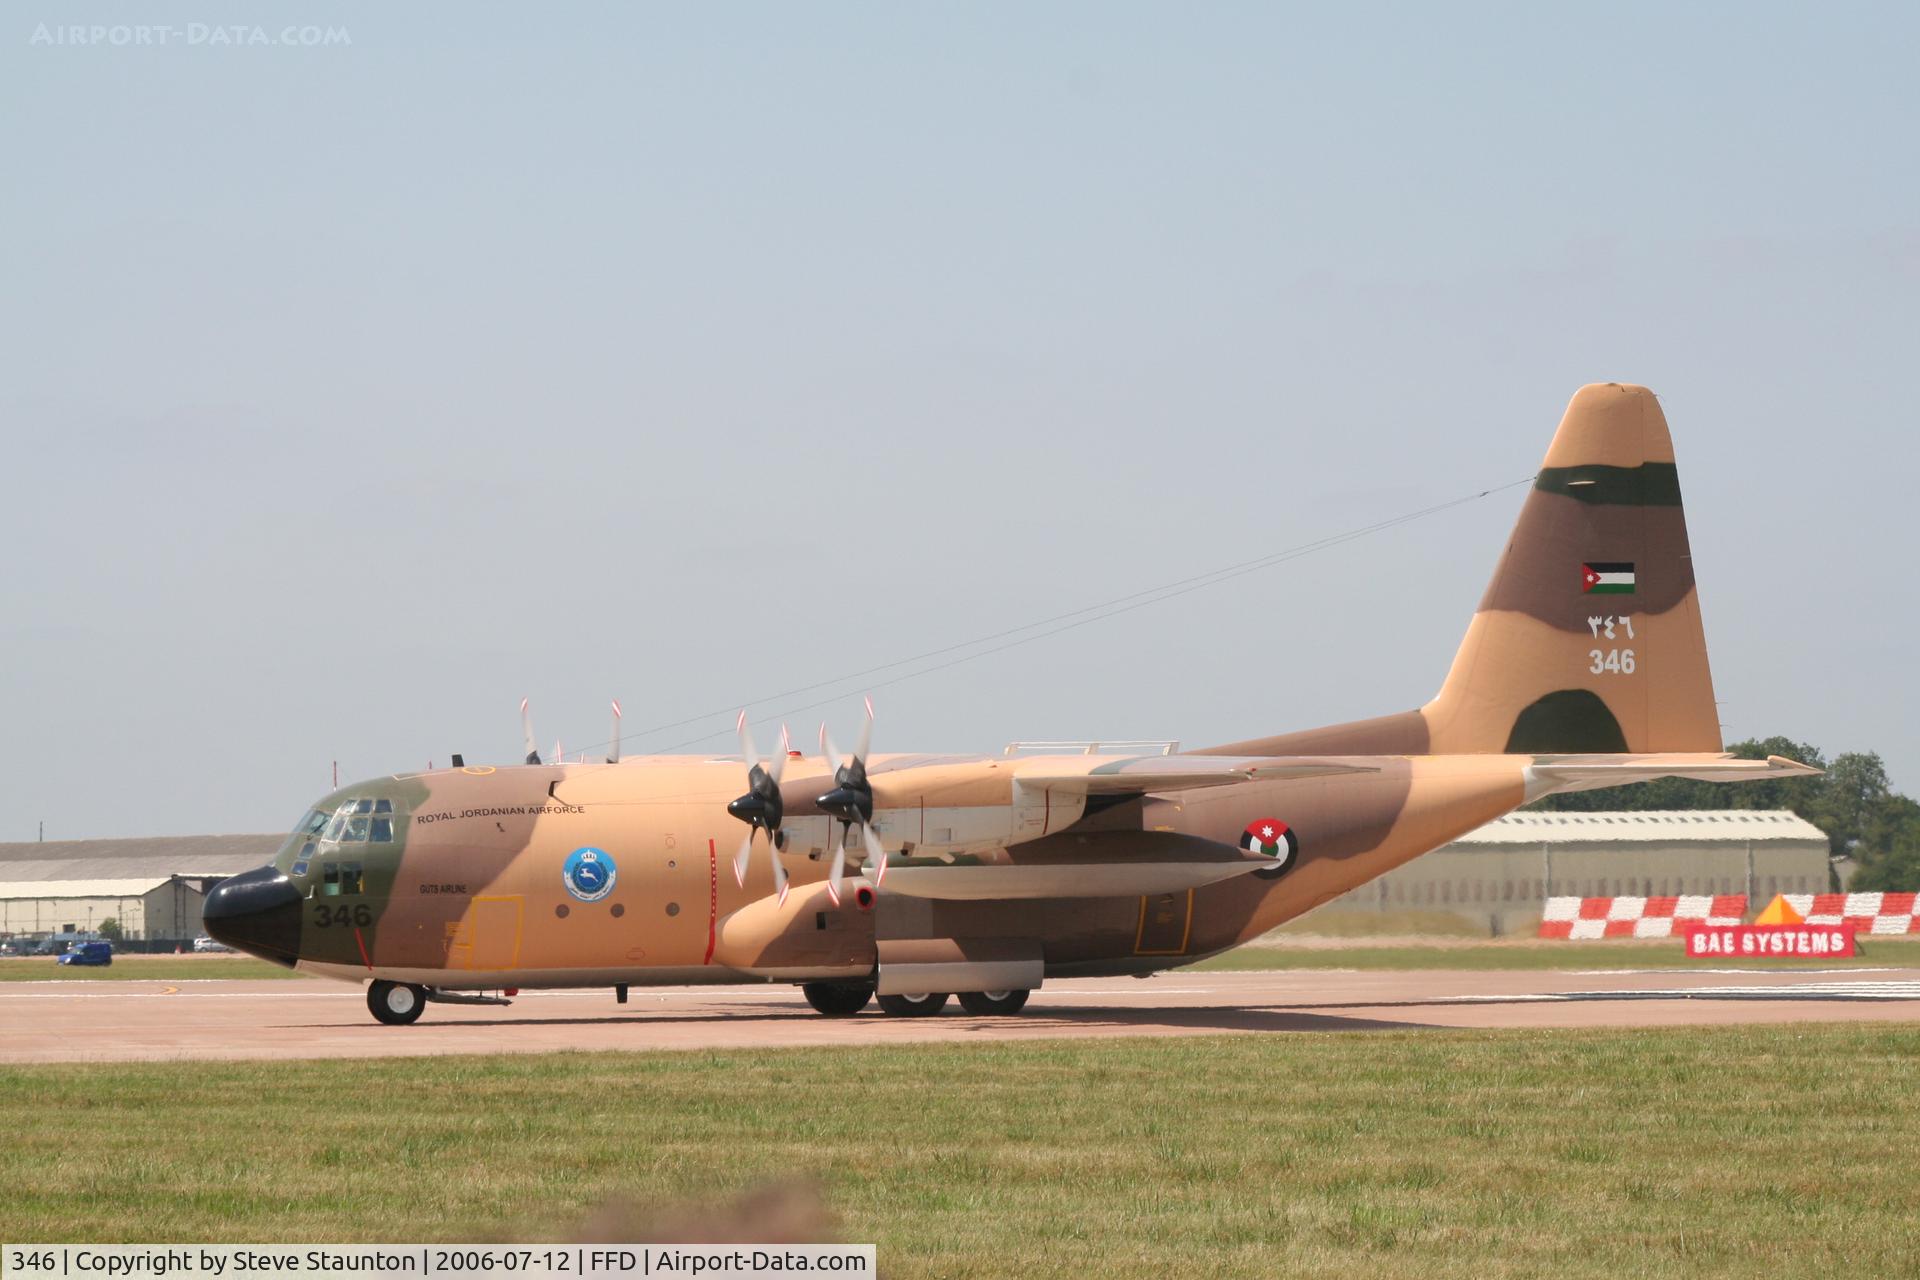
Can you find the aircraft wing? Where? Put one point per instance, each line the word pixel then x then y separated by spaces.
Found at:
pixel 1110 865
pixel 1586 773
pixel 1095 776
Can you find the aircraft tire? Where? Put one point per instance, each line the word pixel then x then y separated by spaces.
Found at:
pixel 917 1006
pixel 983 1004
pixel 397 1004
pixel 838 999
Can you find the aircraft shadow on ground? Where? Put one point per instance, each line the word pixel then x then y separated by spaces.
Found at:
pixel 1222 1018
pixel 1306 1016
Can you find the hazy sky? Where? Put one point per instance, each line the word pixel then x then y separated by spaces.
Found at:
pixel 689 354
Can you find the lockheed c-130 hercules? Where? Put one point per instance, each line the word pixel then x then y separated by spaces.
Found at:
pixel 919 877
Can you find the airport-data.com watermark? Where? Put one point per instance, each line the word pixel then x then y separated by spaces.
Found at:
pixel 189 35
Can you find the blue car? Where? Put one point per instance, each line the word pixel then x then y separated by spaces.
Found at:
pixel 89 953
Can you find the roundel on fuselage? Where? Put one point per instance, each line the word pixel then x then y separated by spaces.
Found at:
pixel 589 874
pixel 1275 839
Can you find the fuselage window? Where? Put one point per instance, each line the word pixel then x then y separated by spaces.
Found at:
pixel 330 879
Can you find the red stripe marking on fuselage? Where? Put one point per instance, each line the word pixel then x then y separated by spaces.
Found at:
pixel 361 942
pixel 713 897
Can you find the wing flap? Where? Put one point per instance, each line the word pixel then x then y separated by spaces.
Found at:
pixel 1093 776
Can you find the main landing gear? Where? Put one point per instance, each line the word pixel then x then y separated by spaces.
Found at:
pixel 984 1004
pixel 844 999
pixel 838 999
pixel 925 1005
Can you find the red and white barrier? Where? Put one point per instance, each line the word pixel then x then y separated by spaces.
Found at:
pixel 1625 917
pixel 1879 913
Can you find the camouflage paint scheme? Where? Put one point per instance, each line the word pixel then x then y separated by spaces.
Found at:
pixel 470 893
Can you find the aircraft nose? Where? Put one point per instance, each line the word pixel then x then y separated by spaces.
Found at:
pixel 258 912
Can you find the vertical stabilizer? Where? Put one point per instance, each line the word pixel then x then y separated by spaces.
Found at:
pixel 1589 637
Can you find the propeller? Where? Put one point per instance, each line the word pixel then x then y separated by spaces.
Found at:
pixel 850 804
pixel 613 756
pixel 526 731
pixel 761 808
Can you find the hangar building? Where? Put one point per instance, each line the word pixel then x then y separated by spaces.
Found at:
pixel 152 886
pixel 1498 876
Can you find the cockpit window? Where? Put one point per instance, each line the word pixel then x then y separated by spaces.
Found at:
pixel 359 821
pixel 310 824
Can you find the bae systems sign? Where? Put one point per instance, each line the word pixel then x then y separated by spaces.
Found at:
pixel 1760 941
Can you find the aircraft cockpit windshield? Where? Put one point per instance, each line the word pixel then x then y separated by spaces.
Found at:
pixel 361 821
pixel 356 821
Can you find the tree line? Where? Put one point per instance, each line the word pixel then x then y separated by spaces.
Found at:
pixel 1852 802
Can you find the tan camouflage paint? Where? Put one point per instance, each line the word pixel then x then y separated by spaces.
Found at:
pixel 472 896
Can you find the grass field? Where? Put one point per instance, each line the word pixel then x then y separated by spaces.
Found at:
pixel 137 967
pixel 1773 1150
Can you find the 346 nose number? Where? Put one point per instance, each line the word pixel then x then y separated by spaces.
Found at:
pixel 358 914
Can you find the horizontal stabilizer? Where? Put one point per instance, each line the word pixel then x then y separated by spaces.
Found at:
pixel 1588 773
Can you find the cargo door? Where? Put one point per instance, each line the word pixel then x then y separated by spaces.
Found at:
pixel 1166 919
pixel 489 936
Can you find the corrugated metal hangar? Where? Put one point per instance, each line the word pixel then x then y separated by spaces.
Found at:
pixel 152 886
pixel 1499 876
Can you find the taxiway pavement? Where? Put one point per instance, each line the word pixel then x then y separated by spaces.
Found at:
pixel 119 1021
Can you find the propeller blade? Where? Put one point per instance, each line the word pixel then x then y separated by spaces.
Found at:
pixel 740 858
pixel 613 757
pixel 827 749
pixel 866 733
pixel 779 872
pixel 526 732
pixel 780 761
pixel 839 868
pixel 746 741
pixel 876 854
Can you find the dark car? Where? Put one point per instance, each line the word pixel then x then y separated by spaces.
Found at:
pixel 89 953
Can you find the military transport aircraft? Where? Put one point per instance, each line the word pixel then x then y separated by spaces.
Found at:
pixel 918 877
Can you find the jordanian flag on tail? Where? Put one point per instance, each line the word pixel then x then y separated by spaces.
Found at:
pixel 1607 578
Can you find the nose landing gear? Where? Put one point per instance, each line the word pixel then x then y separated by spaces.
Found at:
pixel 397 1004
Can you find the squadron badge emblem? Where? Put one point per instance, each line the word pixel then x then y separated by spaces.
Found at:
pixel 589 874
